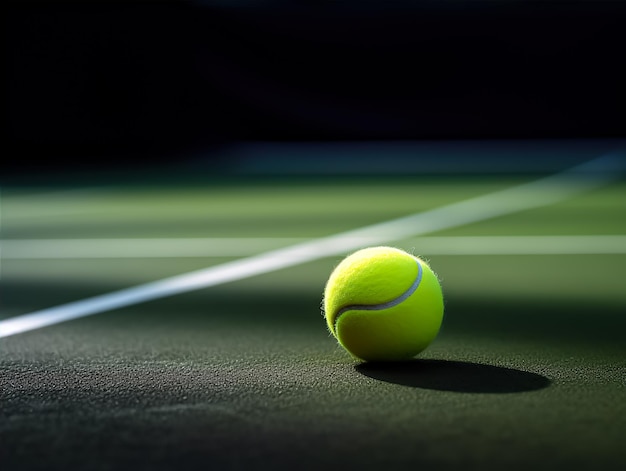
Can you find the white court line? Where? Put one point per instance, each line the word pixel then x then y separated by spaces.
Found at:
pixel 520 245
pixel 49 249
pixel 544 191
pixel 17 249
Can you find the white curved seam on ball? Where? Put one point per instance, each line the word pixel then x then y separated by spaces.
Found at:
pixel 379 307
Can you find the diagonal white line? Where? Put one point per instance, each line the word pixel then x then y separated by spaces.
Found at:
pixel 544 191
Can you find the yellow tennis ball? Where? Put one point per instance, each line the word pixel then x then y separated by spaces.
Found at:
pixel 382 303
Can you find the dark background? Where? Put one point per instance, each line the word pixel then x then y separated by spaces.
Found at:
pixel 112 83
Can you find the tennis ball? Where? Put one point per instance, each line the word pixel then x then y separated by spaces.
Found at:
pixel 382 303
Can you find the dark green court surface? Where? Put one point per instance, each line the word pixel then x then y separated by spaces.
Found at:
pixel 527 373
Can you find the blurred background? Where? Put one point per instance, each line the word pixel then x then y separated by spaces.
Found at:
pixel 102 85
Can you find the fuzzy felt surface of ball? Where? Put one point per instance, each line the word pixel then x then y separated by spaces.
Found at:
pixel 383 304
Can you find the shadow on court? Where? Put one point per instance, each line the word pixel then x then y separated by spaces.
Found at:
pixel 457 376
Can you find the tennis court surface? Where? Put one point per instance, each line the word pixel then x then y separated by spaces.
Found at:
pixel 220 358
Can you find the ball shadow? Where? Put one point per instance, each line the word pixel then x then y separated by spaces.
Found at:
pixel 457 376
